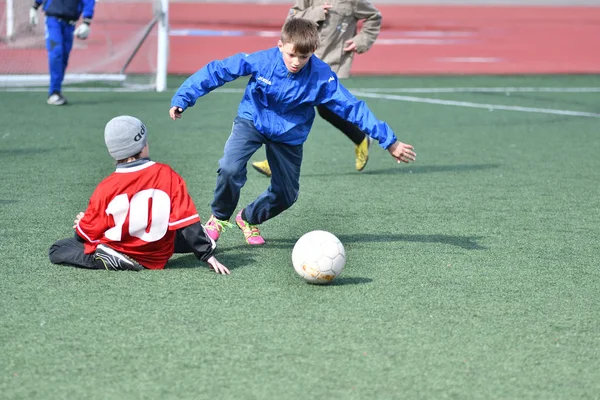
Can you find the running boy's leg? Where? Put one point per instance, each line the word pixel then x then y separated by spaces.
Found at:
pixel 361 140
pixel 68 37
pixel 285 162
pixel 59 41
pixel 231 175
pixel 348 128
pixel 70 252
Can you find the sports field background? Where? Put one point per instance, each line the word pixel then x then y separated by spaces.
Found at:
pixel 472 273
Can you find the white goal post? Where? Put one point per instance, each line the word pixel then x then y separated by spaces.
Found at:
pixel 128 46
pixel 162 55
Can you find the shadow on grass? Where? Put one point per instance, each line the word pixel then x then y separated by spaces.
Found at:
pixel 413 169
pixel 240 260
pixel 90 102
pixel 4 202
pixel 350 281
pixel 464 242
pixel 241 255
pixel 232 261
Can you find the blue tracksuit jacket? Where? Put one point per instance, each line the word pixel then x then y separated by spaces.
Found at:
pixel 69 10
pixel 280 103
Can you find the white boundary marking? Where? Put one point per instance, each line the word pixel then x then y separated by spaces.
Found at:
pixel 486 90
pixel 378 93
pixel 490 107
pixel 366 90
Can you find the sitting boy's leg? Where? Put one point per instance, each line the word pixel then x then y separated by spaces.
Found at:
pixel 285 161
pixel 108 258
pixel 70 252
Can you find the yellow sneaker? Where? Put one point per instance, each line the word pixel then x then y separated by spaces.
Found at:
pixel 362 153
pixel 263 167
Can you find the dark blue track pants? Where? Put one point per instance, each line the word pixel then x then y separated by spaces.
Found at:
pixel 59 42
pixel 284 160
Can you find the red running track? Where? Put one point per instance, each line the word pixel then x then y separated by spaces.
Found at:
pixel 414 39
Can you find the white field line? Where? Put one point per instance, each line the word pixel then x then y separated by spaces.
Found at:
pixel 378 94
pixel 78 90
pixel 490 107
pixel 486 90
pixel 507 90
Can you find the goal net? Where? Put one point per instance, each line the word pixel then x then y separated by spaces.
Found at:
pixel 127 46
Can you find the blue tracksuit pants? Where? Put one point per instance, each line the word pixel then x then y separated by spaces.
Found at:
pixel 284 160
pixel 59 42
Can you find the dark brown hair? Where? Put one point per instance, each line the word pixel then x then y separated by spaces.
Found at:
pixel 302 34
pixel 136 156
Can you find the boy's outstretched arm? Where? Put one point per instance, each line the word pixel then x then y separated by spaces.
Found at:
pixel 202 246
pixel 208 78
pixel 175 112
pixel 339 100
pixel 216 266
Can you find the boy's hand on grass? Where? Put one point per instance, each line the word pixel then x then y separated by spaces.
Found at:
pixel 77 219
pixel 175 113
pixel 216 266
pixel 402 152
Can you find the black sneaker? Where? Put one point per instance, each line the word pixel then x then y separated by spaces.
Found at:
pixel 110 259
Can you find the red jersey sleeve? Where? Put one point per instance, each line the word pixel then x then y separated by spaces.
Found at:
pixel 94 222
pixel 183 210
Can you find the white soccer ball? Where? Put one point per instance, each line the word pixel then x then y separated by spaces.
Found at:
pixel 319 257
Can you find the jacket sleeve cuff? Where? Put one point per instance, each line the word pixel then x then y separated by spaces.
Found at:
pixel 179 104
pixel 386 145
pixel 198 241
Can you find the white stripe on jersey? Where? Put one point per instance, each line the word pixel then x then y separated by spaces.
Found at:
pixel 183 220
pixel 86 237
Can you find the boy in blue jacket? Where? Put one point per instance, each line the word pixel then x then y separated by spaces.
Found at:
pixel 61 17
pixel 287 82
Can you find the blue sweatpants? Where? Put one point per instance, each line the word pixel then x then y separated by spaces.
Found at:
pixel 59 42
pixel 284 160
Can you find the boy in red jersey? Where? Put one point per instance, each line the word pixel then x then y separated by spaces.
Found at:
pixel 139 215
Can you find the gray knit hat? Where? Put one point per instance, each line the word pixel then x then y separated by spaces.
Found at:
pixel 125 136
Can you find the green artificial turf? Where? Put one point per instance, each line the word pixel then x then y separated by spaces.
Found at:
pixel 471 274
